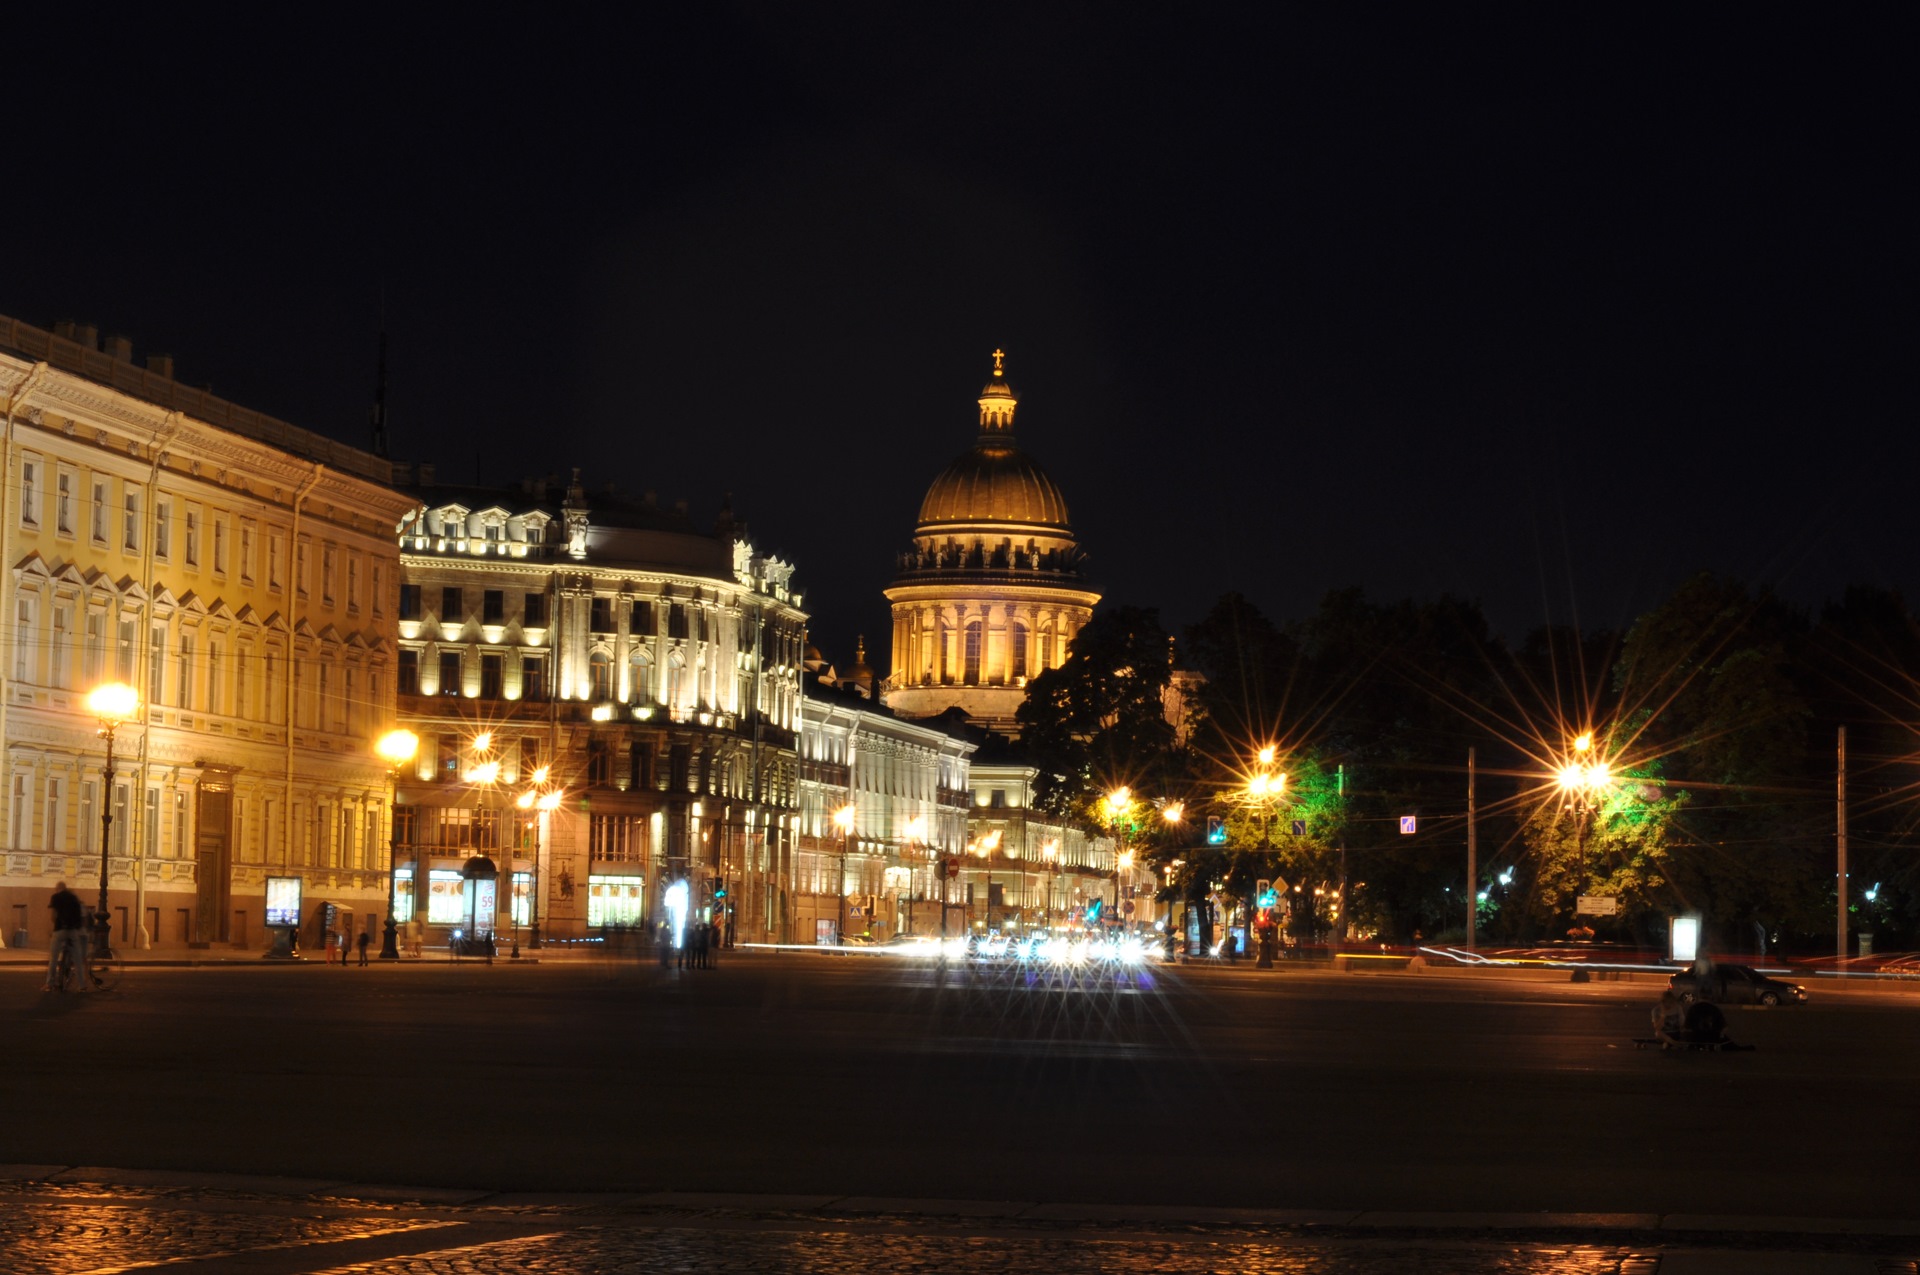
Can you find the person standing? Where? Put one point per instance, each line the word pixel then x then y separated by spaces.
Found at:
pixel 69 935
pixel 716 936
pixel 364 940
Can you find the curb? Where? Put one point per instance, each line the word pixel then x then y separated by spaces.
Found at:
pixel 1674 1225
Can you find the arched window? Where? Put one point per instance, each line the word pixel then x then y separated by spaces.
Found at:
pixel 599 677
pixel 946 653
pixel 640 676
pixel 975 636
pixel 1046 646
pixel 676 678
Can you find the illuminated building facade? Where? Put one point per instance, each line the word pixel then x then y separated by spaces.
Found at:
pixel 240 573
pixel 639 675
pixel 900 791
pixel 991 592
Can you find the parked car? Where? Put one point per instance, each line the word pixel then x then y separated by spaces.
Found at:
pixel 1736 985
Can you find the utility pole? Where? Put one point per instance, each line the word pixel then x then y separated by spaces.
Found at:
pixel 1473 856
pixel 1840 913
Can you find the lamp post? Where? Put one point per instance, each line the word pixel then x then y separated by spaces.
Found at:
pixel 916 831
pixel 1172 814
pixel 1580 778
pixel 843 820
pixel 396 748
pixel 1118 808
pixel 114 704
pixel 1264 788
pixel 1050 852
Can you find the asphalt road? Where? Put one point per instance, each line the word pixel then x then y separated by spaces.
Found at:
pixel 1282 1089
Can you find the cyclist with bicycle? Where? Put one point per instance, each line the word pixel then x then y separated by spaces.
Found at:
pixel 69 936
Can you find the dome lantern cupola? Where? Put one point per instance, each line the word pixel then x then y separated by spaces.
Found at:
pixel 997 401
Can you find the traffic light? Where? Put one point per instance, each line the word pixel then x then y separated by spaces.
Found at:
pixel 1216 830
pixel 720 890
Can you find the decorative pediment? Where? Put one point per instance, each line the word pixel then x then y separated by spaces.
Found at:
pixel 329 634
pixel 276 622
pixel 219 609
pixel 191 602
pixel 246 614
pixel 303 628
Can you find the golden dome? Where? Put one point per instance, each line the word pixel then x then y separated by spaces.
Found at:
pixel 994 482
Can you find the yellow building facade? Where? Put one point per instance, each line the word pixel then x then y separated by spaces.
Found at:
pixel 241 574
pixel 991 592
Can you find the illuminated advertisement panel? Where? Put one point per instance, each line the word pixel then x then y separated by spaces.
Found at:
pixel 283 901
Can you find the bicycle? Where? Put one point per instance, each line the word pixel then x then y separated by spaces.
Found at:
pixel 103 973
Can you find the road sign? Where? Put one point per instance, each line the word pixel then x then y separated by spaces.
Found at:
pixel 1216 831
pixel 1299 827
pixel 953 866
pixel 1407 825
pixel 1597 905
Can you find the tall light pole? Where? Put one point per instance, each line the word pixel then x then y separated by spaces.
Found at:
pixel 396 748
pixel 1580 779
pixel 843 820
pixel 114 704
pixel 916 830
pixel 1264 788
pixel 1118 806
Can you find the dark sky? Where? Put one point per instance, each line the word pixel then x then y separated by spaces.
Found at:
pixel 1547 306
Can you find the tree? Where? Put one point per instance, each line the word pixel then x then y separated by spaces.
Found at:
pixel 1100 718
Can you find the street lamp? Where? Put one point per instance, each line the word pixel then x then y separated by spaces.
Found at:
pixel 1118 808
pixel 396 748
pixel 1264 788
pixel 843 820
pixel 1579 779
pixel 1051 853
pixel 915 836
pixel 114 704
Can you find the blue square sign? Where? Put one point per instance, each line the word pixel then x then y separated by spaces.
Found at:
pixel 1299 827
pixel 1406 825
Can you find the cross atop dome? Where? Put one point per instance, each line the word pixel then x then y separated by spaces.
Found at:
pixel 997 399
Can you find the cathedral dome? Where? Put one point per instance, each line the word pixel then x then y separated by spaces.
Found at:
pixel 995 482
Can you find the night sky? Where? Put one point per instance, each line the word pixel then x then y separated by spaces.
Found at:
pixel 1544 306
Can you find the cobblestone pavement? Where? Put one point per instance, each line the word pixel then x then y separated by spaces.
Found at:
pixel 80 1229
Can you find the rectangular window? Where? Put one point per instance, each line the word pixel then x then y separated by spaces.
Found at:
pixel 533 677
pixel 99 518
pixel 62 672
pixel 353 584
pixel 493 606
pixel 452 609
pixel 29 496
pixel 449 672
pixel 220 545
pixel 409 601
pixel 246 551
pixel 185 681
pixel 213 677
pixel 157 664
pixel 602 615
pixel 123 651
pixel 130 533
pixel 273 562
pixel 676 620
pixel 302 575
pixel 523 898
pixel 181 850
pixel 535 616
pixel 242 673
pixel 409 672
pixel 150 833
pixel 19 813
pixel 93 661
pixel 53 817
pixel 615 900
pixel 89 816
pixel 641 621
pixel 23 643
pixel 162 527
pixel 63 504
pixel 329 559
pixel 193 536
pixel 446 904
pixel 379 590
pixel 491 675
pixel 403 895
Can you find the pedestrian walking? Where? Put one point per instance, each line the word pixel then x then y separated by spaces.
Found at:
pixel 331 943
pixel 364 940
pixel 700 946
pixel 664 937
